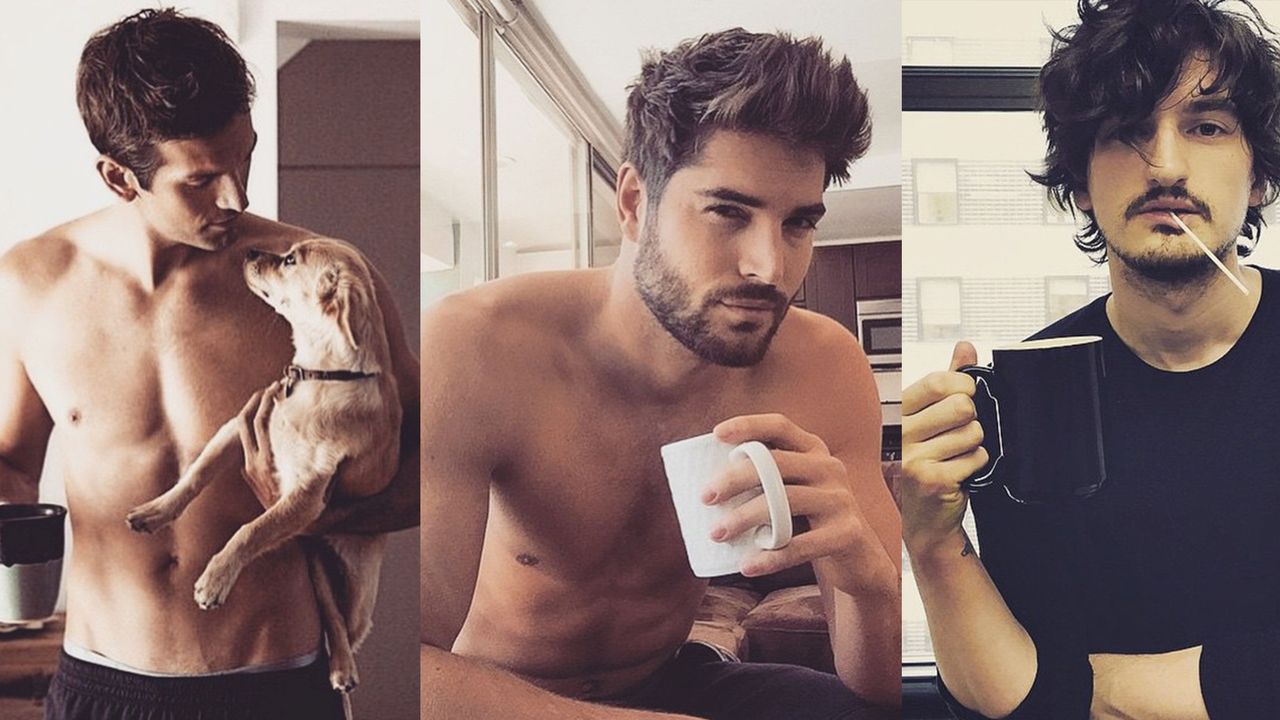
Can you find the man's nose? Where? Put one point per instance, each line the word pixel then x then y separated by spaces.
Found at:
pixel 762 257
pixel 1166 156
pixel 231 194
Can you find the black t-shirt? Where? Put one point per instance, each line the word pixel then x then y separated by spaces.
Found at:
pixel 1180 547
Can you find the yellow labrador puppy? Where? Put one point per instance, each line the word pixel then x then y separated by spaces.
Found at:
pixel 339 407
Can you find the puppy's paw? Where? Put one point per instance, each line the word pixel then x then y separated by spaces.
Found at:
pixel 215 584
pixel 344 681
pixel 151 516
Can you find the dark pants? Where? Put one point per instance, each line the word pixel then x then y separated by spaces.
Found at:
pixel 698 682
pixel 84 691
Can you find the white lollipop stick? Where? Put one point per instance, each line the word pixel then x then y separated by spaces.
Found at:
pixel 1209 252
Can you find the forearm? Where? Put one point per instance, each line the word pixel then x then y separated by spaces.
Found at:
pixel 985 657
pixel 395 508
pixel 455 687
pixel 866 635
pixel 1165 686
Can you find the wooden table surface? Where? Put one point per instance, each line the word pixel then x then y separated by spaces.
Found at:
pixel 27 661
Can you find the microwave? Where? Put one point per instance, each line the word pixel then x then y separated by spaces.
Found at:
pixel 880 331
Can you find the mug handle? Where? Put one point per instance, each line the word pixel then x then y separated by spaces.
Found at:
pixel 987 406
pixel 778 532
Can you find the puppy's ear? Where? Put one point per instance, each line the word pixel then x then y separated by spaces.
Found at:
pixel 336 297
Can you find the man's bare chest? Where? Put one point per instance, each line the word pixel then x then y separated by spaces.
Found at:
pixel 586 489
pixel 107 360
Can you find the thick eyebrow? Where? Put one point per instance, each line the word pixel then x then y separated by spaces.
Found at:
pixel 816 210
pixel 1211 104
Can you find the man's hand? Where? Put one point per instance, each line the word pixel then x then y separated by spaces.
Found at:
pixel 255 437
pixel 941 447
pixel 818 488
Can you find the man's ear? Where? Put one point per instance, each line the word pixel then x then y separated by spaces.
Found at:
pixel 1082 200
pixel 631 203
pixel 119 179
pixel 1257 192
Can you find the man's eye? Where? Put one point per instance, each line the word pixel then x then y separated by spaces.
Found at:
pixel 1209 130
pixel 803 223
pixel 200 181
pixel 731 212
pixel 290 259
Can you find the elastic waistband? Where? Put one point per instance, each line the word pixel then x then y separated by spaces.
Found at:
pixel 241 689
pixel 84 654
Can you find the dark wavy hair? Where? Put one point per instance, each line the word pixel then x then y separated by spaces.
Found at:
pixel 158 75
pixel 1124 57
pixel 771 84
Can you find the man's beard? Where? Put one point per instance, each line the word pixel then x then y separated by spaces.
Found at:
pixel 668 297
pixel 1158 265
pixel 1168 269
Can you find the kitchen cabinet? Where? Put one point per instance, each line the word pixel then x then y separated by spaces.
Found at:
pixel 840 275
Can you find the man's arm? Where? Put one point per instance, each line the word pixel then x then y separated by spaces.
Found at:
pixel 855 531
pixel 25 424
pixel 987 659
pixel 464 437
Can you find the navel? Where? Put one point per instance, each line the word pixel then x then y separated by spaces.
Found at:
pixel 74 416
pixel 527 560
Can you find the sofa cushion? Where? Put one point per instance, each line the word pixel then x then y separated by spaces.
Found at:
pixel 789 626
pixel 720 616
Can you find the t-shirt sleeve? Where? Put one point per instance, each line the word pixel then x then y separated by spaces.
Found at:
pixel 1029 553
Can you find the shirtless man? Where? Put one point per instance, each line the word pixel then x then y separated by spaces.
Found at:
pixel 131 329
pixel 553 566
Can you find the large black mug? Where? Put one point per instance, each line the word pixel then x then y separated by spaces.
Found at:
pixel 1041 417
pixel 31 549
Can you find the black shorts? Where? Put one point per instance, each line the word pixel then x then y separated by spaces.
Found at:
pixel 699 682
pixel 85 691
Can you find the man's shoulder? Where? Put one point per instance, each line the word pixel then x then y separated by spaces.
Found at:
pixel 262 233
pixel 513 319
pixel 37 263
pixel 807 337
pixel 817 357
pixel 1088 320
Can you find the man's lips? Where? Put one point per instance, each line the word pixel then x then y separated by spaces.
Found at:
pixel 754 305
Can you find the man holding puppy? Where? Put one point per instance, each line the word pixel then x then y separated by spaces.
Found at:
pixel 132 331
pixel 553 566
pixel 1156 596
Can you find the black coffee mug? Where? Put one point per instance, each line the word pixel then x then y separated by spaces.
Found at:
pixel 31 549
pixel 1041 417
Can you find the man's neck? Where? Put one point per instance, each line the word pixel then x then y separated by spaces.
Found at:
pixel 120 238
pixel 1182 327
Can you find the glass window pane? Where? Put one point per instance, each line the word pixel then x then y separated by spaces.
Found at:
pixel 541 173
pixel 452 231
pixel 981 32
pixel 606 232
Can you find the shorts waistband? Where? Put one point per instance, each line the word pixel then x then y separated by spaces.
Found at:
pixel 186 692
pixel 84 654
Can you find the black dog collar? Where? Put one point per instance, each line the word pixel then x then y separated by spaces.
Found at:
pixel 294 374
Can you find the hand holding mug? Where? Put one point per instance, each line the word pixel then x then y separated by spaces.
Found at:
pixel 817 487
pixel 941 448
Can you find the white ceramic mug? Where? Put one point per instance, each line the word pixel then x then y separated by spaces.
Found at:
pixel 691 465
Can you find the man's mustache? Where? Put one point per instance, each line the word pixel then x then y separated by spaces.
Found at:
pixel 1175 192
pixel 750 291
